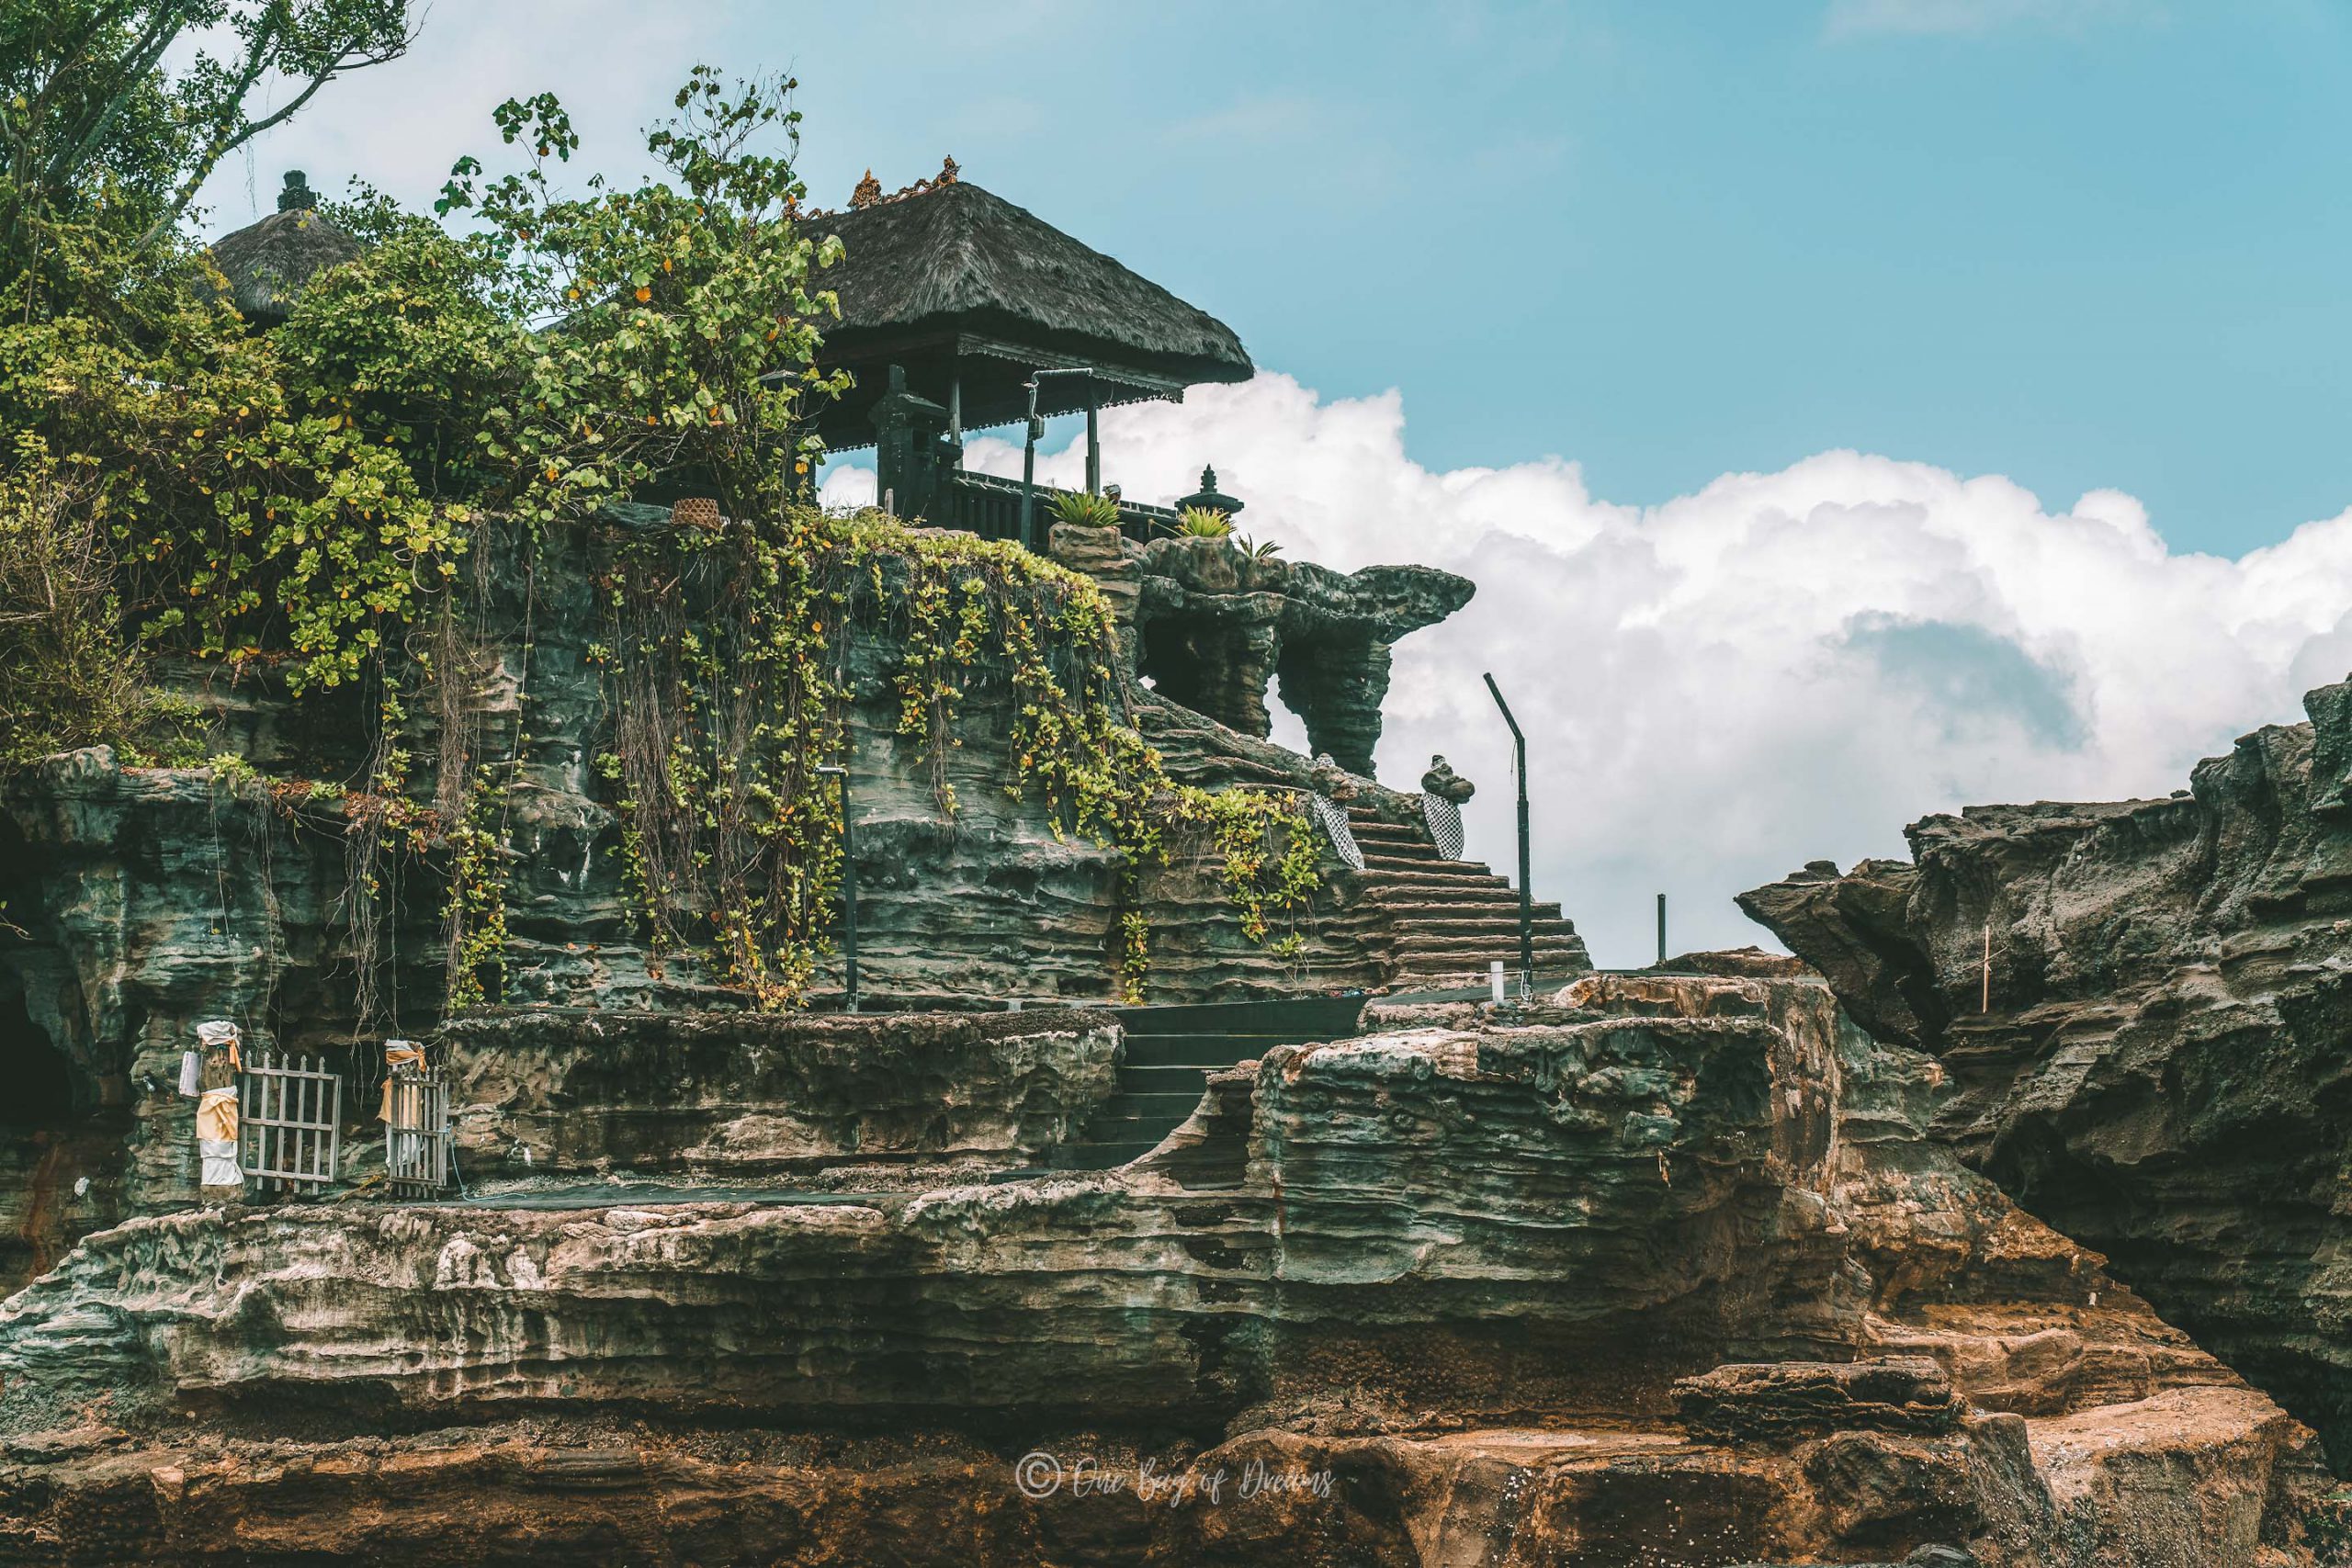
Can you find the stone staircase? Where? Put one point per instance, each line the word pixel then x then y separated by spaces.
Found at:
pixel 1450 917
pixel 1169 1055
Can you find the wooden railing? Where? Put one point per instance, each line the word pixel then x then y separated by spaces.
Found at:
pixel 289 1122
pixel 990 507
pixel 418 1144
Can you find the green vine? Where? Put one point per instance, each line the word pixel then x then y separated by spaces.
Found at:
pixel 475 911
pixel 728 674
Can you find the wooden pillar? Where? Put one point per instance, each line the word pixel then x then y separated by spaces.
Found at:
pixel 1093 446
pixel 955 414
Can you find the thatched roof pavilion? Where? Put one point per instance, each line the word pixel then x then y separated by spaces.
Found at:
pixel 267 262
pixel 971 294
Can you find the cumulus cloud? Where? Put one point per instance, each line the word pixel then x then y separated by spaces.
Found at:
pixel 1780 668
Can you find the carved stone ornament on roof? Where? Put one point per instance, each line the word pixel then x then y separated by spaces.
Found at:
pixel 869 192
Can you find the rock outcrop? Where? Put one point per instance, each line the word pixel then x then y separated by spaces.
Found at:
pixel 1214 626
pixel 2144 1010
pixel 139 900
pixel 895 1099
pixel 1483 1287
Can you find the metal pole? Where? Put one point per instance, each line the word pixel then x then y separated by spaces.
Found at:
pixel 1526 905
pixel 1661 930
pixel 849 895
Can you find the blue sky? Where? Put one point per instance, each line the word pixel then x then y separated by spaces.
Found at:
pixel 2081 243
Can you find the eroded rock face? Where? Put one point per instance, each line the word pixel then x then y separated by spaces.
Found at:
pixel 2162 1071
pixel 149 899
pixel 1213 625
pixel 1456 1267
pixel 741 1095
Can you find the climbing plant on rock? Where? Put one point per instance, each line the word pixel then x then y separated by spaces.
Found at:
pixel 730 665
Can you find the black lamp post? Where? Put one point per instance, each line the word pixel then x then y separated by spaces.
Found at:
pixel 849 894
pixel 1526 908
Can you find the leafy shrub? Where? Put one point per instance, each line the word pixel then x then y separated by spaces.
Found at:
pixel 1204 522
pixel 66 677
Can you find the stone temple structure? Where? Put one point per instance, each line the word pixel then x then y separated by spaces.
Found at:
pixel 1320 1255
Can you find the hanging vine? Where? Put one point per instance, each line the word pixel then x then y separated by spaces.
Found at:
pixel 728 674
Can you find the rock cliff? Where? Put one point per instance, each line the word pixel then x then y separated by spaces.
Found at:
pixel 2142 1007
pixel 139 900
pixel 1657 1271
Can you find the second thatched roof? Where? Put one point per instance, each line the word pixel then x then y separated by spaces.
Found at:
pixel 267 262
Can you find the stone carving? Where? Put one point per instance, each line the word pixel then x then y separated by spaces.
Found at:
pixel 1442 782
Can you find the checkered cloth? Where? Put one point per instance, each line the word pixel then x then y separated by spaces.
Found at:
pixel 1334 817
pixel 1444 818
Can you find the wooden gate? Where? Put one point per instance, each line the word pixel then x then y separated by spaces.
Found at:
pixel 417 1137
pixel 289 1122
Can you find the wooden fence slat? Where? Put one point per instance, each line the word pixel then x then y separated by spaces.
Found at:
pixel 291 1111
pixel 417 1138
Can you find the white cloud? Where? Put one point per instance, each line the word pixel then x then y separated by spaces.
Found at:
pixel 1780 668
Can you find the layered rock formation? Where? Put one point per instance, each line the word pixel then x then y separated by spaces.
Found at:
pixel 2142 1007
pixel 1212 628
pixel 139 901
pixel 1462 1291
pixel 890 1100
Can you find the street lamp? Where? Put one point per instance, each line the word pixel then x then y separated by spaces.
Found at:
pixel 849 892
pixel 1526 908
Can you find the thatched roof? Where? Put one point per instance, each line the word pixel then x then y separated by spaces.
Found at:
pixel 267 262
pixel 951 263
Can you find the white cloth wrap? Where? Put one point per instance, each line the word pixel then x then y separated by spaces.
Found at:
pixel 216 1032
pixel 220 1168
pixel 191 1073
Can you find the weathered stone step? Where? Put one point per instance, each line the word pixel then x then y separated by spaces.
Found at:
pixel 1187 1077
pixel 1100 1156
pixel 1389 840
pixel 1428 860
pixel 1439 876
pixel 1171 1107
pixel 1403 901
pixel 1499 923
pixel 1200 1050
pixel 1504 947
pixel 1292 1018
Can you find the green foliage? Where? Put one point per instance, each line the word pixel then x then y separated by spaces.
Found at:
pixel 474 913
pixel 724 668
pixel 681 314
pixel 113 112
pixel 725 706
pixel 66 679
pixel 1085 509
pixel 1204 522
pixel 1265 850
pixel 1259 549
